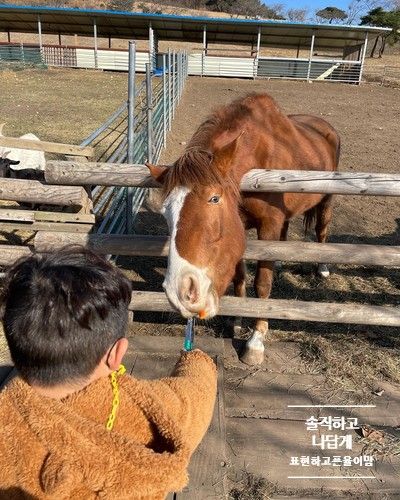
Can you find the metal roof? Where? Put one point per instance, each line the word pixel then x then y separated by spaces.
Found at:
pixel 135 25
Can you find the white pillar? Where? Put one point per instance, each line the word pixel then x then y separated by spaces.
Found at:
pixel 40 32
pixel 204 49
pixel 310 57
pixel 151 47
pixel 96 61
pixel 257 52
pixel 258 41
pixel 364 51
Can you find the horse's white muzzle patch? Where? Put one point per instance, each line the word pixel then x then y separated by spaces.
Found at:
pixel 187 287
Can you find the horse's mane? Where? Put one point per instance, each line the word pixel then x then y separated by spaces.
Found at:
pixel 194 167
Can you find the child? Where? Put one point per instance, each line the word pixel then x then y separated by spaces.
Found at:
pixel 71 424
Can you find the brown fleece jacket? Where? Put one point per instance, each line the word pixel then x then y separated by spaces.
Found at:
pixel 60 449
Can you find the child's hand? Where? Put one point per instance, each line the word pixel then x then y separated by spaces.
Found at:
pixel 193 350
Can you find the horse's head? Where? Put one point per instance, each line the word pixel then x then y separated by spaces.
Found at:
pixel 201 205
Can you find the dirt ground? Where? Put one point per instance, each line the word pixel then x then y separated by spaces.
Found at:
pixel 56 105
pixel 367 117
pixel 353 363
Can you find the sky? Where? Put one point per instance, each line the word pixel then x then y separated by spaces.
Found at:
pixel 312 5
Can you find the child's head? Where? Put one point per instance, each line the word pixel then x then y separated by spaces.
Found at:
pixel 62 314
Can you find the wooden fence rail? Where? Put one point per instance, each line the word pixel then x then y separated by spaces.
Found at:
pixel 290 251
pixel 234 306
pixel 283 309
pixel 72 175
pixel 293 181
pixel 28 191
pixel 10 253
pixel 47 147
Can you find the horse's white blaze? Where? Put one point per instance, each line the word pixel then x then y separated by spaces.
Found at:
pixel 177 265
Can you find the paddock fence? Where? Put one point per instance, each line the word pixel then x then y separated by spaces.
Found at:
pixel 200 63
pixel 72 173
pixel 20 56
pixel 136 131
pixel 385 75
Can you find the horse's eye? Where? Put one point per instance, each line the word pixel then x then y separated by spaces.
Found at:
pixel 214 199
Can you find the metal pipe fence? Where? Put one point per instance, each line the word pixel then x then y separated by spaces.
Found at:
pixel 20 56
pixel 136 132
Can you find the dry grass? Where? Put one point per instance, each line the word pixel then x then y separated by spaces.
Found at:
pixel 353 366
pixel 60 105
pixel 252 487
pixel 382 443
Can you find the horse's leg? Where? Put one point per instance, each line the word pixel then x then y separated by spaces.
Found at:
pixel 283 237
pixel 254 350
pixel 324 217
pixel 239 286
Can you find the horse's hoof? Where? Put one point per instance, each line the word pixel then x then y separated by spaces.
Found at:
pixel 253 353
pixel 323 270
pixel 237 326
pixel 252 356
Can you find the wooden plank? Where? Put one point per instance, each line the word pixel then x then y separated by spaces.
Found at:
pixel 99 174
pixel 280 357
pixel 206 469
pixel 171 345
pixel 40 216
pixel 35 192
pixel 289 251
pixel 294 181
pixel 258 180
pixel 10 253
pixel 47 147
pixel 46 226
pixel 324 312
pixel 64 217
pixel 106 243
pixel 155 365
pixel 254 443
pixel 245 393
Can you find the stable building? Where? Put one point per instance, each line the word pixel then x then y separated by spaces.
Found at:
pixel 222 47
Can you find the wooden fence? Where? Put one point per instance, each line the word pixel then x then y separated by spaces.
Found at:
pixel 78 217
pixel 73 175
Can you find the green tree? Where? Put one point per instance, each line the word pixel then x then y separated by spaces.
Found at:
pixel 331 14
pixel 386 19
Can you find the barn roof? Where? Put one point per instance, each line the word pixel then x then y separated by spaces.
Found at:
pixel 115 24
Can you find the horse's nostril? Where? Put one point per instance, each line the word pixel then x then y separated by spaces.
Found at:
pixel 190 289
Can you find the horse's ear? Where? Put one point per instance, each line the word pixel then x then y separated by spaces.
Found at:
pixel 223 158
pixel 157 171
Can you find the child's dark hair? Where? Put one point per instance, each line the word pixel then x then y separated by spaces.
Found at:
pixel 61 312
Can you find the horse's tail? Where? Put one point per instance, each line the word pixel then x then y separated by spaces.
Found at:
pixel 309 219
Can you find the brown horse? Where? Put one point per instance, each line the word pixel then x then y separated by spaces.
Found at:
pixel 207 214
